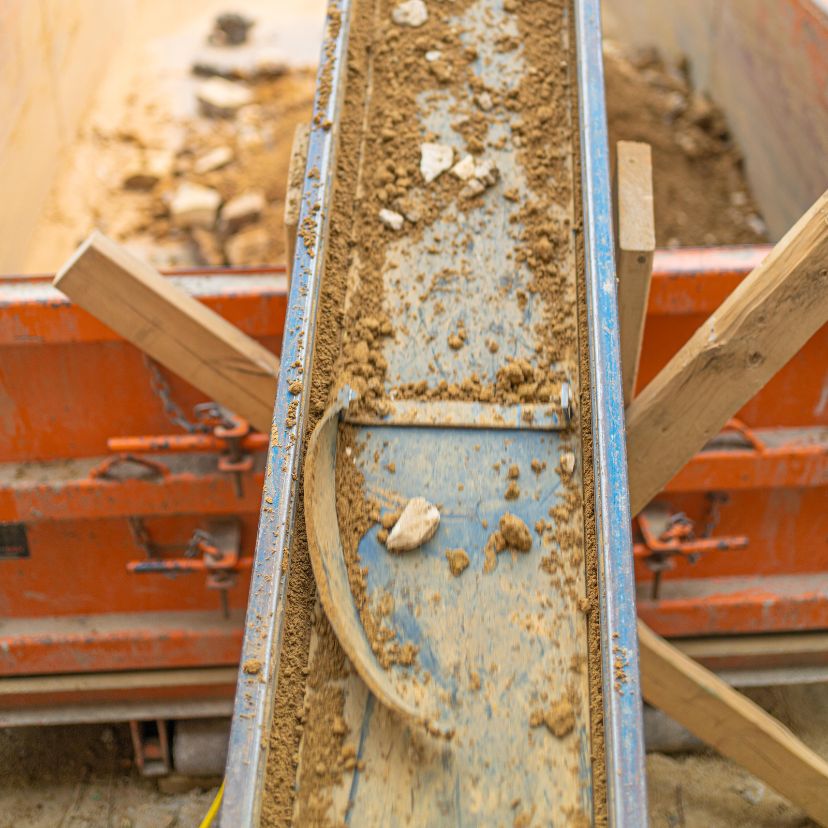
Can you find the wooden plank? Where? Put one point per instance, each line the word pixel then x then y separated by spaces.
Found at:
pixel 293 195
pixel 732 724
pixel 172 327
pixel 755 331
pixel 634 249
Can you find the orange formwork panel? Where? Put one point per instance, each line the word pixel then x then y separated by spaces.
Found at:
pixel 759 491
pixel 128 505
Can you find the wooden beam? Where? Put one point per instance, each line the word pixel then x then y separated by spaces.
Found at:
pixel 732 724
pixel 295 185
pixel 634 249
pixel 755 331
pixel 173 328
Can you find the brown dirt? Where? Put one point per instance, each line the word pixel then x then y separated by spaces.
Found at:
pixel 701 194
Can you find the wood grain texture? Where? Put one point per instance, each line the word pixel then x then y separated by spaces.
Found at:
pixel 172 327
pixel 634 249
pixel 732 724
pixel 293 194
pixel 755 331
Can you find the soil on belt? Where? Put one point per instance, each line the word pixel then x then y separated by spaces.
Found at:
pixel 701 193
pixel 351 331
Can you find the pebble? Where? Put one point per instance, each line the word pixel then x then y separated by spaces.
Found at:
pixel 464 168
pixel 221 98
pixel 410 13
pixel 156 165
pixel 568 462
pixel 215 159
pixel 391 219
pixel 417 524
pixel 432 55
pixel 242 210
pixel 194 206
pixel 435 159
pixel 484 101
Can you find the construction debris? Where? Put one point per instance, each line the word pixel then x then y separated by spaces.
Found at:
pixel 417 524
pixel 219 98
pixel 194 206
pixel 435 159
pixel 242 210
pixel 391 219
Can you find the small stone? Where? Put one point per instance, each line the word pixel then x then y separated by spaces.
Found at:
pixel 215 159
pixel 484 101
pixel 242 210
pixel 568 463
pixel 194 206
pixel 435 159
pixel 221 98
pixel 464 168
pixel 472 189
pixel 515 533
pixel 230 29
pixel 156 165
pixel 391 219
pixel 417 524
pixel 433 55
pixel 249 247
pixel 410 13
pixel 458 560
pixel 486 172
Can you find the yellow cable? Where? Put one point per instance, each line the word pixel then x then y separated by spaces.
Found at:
pixel 214 808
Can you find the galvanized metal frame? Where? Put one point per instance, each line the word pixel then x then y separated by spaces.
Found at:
pixel 623 726
pixel 247 753
pixel 255 696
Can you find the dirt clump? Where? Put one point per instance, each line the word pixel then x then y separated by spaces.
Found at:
pixel 458 561
pixel 515 533
pixel 701 193
pixel 559 718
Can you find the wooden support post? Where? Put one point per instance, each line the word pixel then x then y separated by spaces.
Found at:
pixel 732 724
pixel 634 249
pixel 293 195
pixel 755 331
pixel 173 328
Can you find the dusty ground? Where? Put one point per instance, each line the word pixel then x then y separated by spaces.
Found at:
pixel 83 775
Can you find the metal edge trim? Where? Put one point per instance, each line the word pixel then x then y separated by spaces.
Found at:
pixel 247 752
pixel 623 726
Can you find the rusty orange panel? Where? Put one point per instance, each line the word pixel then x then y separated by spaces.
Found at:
pixel 120 642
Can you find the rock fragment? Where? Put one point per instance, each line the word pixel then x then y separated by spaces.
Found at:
pixel 515 533
pixel 484 101
pixel 568 463
pixel 411 13
pixel 464 168
pixel 435 159
pixel 417 524
pixel 215 159
pixel 242 210
pixel 230 29
pixel 219 98
pixel 458 560
pixel 250 246
pixel 433 54
pixel 194 206
pixel 391 219
pixel 155 166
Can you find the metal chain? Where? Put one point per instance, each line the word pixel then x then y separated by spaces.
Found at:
pixel 161 389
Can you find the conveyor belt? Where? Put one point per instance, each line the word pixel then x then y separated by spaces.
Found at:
pixel 475 299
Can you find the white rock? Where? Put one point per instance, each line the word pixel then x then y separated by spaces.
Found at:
pixel 194 206
pixel 432 55
pixel 568 463
pixel 241 210
pixel 464 168
pixel 221 98
pixel 416 525
pixel 410 13
pixel 484 101
pixel 472 189
pixel 215 159
pixel 486 172
pixel 392 220
pixel 435 159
